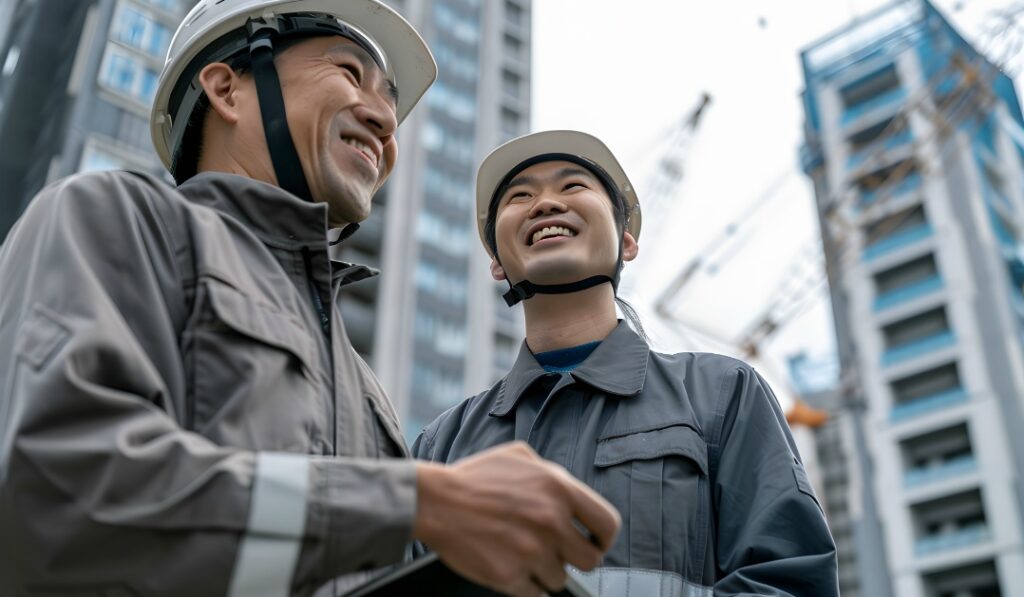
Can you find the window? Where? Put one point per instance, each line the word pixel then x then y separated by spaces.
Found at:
pixel 456 147
pixel 906 274
pixel 447 286
pixel 141 31
pixel 168 5
pixel 95 159
pixel 936 449
pixel 461 27
pixel 513 45
pixel 510 82
pixel 450 101
pixel 870 86
pixel 443 234
pixel 457 63
pixel 927 383
pixel 11 62
pixel 453 191
pixel 919 327
pixel 898 222
pixel 127 75
pixel 514 13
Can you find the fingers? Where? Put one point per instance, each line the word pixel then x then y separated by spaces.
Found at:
pixel 595 513
pixel 549 573
pixel 577 549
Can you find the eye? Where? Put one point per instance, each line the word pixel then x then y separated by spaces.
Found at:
pixel 355 71
pixel 570 185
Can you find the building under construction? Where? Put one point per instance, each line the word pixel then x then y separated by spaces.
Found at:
pixel 915 148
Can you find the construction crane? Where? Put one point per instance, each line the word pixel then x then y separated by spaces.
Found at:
pixel 664 184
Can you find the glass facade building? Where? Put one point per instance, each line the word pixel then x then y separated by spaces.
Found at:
pixel 915 146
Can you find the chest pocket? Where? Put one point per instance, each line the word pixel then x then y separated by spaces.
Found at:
pixel 253 373
pixel 658 479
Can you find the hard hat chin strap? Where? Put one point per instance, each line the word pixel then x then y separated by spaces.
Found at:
pixel 283 156
pixel 520 291
pixel 526 289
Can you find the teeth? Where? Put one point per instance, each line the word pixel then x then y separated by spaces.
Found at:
pixel 551 231
pixel 363 147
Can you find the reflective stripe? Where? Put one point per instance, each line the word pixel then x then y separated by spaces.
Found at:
pixel 608 582
pixel 277 517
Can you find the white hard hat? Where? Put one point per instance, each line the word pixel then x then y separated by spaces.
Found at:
pixel 214 30
pixel 513 156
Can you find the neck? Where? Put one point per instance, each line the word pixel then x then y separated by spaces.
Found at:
pixel 233 155
pixel 555 321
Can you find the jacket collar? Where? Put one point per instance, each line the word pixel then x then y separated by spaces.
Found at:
pixel 277 217
pixel 618 366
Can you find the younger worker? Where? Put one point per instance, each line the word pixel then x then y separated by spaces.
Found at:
pixel 691 448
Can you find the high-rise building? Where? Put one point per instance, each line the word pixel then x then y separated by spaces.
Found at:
pixel 433 325
pixel 76 83
pixel 915 148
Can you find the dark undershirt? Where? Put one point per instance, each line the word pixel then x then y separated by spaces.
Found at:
pixel 565 359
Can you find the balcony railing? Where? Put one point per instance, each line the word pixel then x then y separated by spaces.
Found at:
pixel 897 240
pixel 909 184
pixel 917 348
pixel 931 474
pixel 901 295
pixel 893 141
pixel 927 404
pixel 965 537
pixel 890 98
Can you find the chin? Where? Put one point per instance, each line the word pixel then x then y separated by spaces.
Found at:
pixel 555 272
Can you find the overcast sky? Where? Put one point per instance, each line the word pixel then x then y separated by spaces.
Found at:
pixel 627 71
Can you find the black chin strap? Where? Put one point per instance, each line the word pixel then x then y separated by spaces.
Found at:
pixel 521 291
pixel 285 159
pixel 526 289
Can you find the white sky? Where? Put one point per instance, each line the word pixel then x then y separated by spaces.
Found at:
pixel 627 71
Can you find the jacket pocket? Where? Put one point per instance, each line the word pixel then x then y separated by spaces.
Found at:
pixel 657 479
pixel 254 377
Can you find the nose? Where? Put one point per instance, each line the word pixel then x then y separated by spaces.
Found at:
pixel 545 205
pixel 378 115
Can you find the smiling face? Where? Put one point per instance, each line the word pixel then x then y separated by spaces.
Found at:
pixel 555 224
pixel 341 114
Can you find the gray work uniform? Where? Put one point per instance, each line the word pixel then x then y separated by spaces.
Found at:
pixel 693 451
pixel 174 417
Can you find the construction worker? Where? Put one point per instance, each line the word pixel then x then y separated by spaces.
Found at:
pixel 181 411
pixel 691 448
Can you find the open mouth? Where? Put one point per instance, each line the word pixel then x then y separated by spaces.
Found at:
pixel 551 232
pixel 362 148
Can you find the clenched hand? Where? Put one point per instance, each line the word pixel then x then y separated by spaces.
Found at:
pixel 507 519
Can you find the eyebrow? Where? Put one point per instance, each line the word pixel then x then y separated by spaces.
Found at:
pixel 529 179
pixel 387 86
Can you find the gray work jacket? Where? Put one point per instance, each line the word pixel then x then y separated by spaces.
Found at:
pixel 691 448
pixel 174 420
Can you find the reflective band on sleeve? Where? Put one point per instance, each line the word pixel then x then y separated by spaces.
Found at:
pixel 277 517
pixel 606 582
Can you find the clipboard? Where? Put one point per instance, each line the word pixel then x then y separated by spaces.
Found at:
pixel 428 576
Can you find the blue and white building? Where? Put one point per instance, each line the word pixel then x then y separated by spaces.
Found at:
pixel 915 147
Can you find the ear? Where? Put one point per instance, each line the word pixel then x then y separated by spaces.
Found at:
pixel 629 247
pixel 221 85
pixel 497 272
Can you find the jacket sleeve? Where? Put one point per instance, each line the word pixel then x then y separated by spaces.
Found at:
pixel 772 538
pixel 101 489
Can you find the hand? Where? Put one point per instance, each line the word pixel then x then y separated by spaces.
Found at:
pixel 504 518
